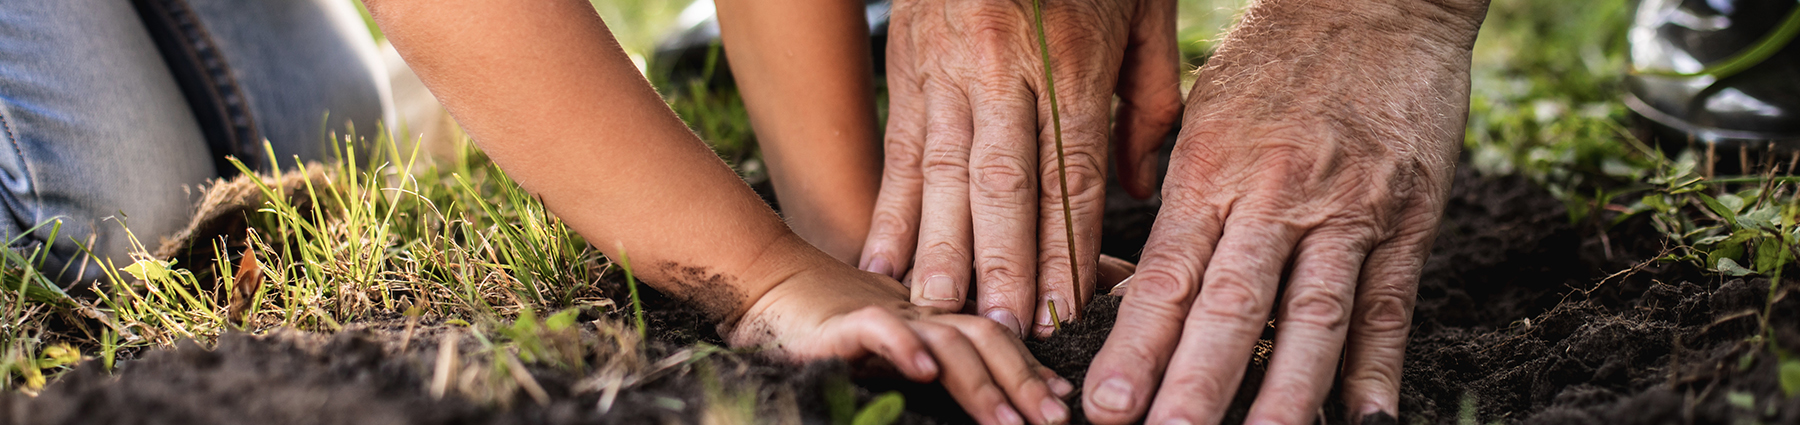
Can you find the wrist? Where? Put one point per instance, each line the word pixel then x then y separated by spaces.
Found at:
pixel 775 263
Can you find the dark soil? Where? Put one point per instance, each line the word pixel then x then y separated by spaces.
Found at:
pixel 1521 319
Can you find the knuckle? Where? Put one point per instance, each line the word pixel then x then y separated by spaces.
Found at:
pixel 1083 170
pixel 990 18
pixel 887 223
pixel 1381 377
pixel 1202 387
pixel 1161 287
pixel 943 252
pixel 1001 275
pixel 902 155
pixel 1002 176
pixel 1384 311
pixel 1229 299
pixel 946 162
pixel 1285 156
pixel 986 330
pixel 1317 307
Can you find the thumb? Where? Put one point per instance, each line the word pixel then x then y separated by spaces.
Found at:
pixel 1149 95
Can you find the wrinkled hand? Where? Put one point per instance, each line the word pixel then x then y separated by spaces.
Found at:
pixel 1308 181
pixel 971 185
pixel 836 311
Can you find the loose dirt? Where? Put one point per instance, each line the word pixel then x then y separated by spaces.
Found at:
pixel 1521 319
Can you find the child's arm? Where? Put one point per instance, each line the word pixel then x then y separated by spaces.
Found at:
pixel 804 70
pixel 547 92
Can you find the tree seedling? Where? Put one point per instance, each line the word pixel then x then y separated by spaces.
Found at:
pixel 1062 172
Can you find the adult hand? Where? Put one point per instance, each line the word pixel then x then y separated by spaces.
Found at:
pixel 971 190
pixel 1317 151
pixel 834 311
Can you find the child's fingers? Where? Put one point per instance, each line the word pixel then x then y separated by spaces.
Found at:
pixel 877 330
pixel 1013 368
pixel 965 373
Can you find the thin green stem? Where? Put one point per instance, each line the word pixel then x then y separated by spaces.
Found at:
pixel 637 305
pixel 1062 173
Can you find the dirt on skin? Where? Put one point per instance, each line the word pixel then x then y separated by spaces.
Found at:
pixel 1521 319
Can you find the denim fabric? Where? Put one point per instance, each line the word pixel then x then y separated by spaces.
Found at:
pixel 98 132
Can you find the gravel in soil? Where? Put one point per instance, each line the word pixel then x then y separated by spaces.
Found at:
pixel 1523 317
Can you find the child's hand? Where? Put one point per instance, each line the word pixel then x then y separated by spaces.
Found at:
pixel 837 311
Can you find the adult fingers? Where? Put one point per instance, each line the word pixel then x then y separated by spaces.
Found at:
pixel 1376 344
pixel 1227 317
pixel 941 268
pixel 1081 163
pixel 1131 364
pixel 893 230
pixel 1003 199
pixel 1013 368
pixel 967 379
pixel 1310 326
pixel 1149 96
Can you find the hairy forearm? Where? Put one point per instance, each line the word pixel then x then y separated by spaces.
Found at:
pixel 548 94
pixel 804 69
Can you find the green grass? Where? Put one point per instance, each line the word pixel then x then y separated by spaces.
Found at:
pixel 376 235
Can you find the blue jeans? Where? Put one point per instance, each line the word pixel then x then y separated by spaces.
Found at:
pixel 115 112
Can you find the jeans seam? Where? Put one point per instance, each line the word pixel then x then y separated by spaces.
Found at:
pixel 218 83
pixel 12 140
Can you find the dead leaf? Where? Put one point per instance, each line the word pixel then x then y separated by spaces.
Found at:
pixel 245 286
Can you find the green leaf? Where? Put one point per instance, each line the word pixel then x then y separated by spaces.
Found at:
pixel 1718 208
pixel 1732 202
pixel 1710 240
pixel 149 269
pixel 1741 399
pixel 1655 201
pixel 1770 254
pixel 562 319
pixel 1731 268
pixel 1765 216
pixel 840 398
pixel 1790 377
pixel 1725 251
pixel 883 410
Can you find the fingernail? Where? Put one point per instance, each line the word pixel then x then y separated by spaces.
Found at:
pixel 1047 318
pixel 940 288
pixel 925 364
pixel 1177 421
pixel 879 265
pixel 1061 386
pixel 1007 318
pixel 1119 289
pixel 1113 394
pixel 1054 411
pixel 1006 415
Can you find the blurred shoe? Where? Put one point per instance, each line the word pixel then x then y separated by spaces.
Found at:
pixel 1698 80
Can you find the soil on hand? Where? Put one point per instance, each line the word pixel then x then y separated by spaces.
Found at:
pixel 1523 317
